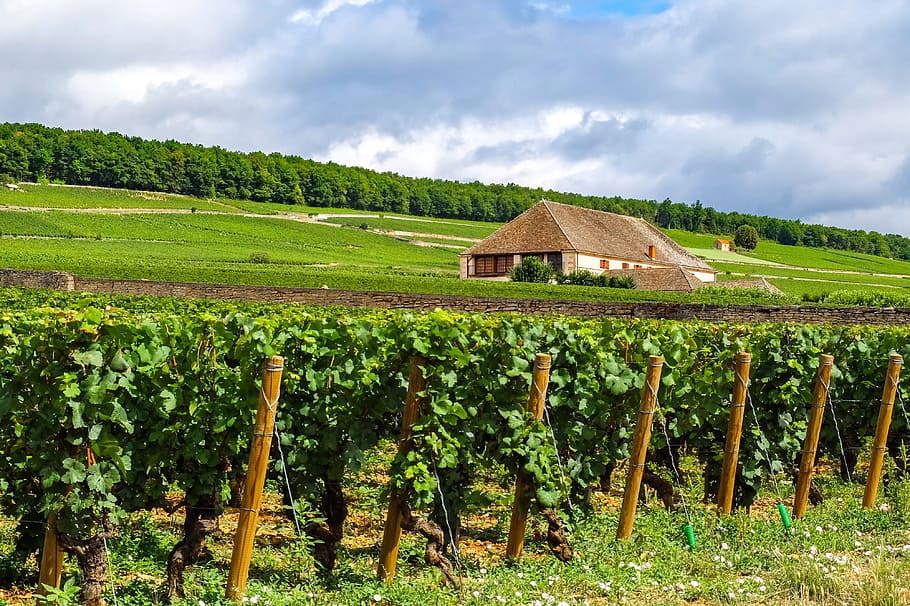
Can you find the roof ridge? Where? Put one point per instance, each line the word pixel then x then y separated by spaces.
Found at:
pixel 546 204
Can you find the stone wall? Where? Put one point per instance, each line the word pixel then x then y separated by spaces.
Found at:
pixel 25 278
pixel 318 296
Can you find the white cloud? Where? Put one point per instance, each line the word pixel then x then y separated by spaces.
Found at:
pixel 317 16
pixel 788 109
pixel 133 83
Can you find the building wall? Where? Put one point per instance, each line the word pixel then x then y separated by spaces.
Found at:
pixel 592 263
pixel 704 276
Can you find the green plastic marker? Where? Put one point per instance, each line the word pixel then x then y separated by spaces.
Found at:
pixel 690 536
pixel 784 516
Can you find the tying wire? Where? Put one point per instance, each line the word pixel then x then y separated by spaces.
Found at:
pixel 843 453
pixel 445 513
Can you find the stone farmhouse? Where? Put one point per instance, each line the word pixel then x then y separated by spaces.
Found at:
pixel 573 238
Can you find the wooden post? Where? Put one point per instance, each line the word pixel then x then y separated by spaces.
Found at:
pixel 734 432
pixel 51 557
pixel 536 403
pixel 639 447
pixel 255 478
pixel 810 444
pixel 881 430
pixel 391 535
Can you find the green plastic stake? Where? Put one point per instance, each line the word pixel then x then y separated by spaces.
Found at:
pixel 690 536
pixel 784 516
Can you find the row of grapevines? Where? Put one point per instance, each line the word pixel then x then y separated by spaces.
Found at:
pixel 162 393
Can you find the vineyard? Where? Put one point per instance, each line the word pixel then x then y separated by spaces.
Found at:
pixel 110 407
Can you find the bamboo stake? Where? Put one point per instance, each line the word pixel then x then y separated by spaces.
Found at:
pixel 255 478
pixel 639 447
pixel 51 557
pixel 536 403
pixel 391 535
pixel 810 445
pixel 881 430
pixel 734 433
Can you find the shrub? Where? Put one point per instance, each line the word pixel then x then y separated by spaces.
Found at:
pixel 625 281
pixel 532 269
pixel 259 257
pixel 582 277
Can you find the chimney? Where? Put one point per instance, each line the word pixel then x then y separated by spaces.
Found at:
pixel 652 252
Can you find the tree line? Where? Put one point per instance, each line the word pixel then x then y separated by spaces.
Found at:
pixel 33 152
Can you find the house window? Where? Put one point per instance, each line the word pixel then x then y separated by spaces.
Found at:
pixel 504 264
pixel 604 264
pixel 555 260
pixel 483 265
pixel 492 265
pixel 625 266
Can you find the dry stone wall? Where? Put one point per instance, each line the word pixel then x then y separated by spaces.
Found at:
pixel 320 296
pixel 25 278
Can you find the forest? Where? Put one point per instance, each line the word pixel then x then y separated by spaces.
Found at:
pixel 33 152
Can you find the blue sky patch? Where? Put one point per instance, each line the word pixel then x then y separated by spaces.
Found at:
pixel 583 9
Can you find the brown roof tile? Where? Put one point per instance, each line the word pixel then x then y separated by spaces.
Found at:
pixel 660 278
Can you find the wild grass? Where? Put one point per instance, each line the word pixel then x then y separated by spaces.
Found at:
pixel 838 553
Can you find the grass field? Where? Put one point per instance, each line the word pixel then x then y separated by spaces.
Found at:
pixel 461 229
pixel 160 237
pixel 60 196
pixel 838 553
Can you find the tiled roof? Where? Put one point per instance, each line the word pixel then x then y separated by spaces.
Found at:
pixel 660 278
pixel 761 284
pixel 551 227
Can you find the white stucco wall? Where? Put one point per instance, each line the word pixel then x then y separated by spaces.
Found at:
pixel 592 263
pixel 704 276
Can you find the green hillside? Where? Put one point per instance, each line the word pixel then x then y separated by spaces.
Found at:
pixel 133 235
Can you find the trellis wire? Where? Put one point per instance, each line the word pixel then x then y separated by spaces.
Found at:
pixel 900 401
pixel 761 443
pixel 843 453
pixel 287 481
pixel 107 555
pixel 562 477
pixel 445 514
pixel 284 467
pixel 677 477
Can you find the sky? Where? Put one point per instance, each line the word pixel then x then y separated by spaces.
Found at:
pixel 796 110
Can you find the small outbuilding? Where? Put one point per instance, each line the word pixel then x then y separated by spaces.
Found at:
pixel 724 245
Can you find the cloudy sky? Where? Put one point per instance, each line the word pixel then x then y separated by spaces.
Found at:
pixel 788 109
